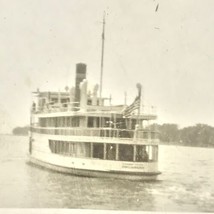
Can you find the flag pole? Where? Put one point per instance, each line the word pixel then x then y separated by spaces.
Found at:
pixel 102 57
pixel 101 69
pixel 139 87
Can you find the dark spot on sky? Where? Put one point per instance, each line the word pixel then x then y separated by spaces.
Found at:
pixel 157 8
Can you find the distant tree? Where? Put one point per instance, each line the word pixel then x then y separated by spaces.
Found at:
pixel 169 133
pixel 199 135
pixel 21 130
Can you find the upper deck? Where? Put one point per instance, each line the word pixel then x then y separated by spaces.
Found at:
pixel 72 109
pixel 80 112
pixel 80 101
pixel 62 104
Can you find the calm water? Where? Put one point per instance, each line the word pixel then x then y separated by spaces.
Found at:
pixel 187 183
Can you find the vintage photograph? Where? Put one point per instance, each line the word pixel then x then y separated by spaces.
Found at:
pixel 107 105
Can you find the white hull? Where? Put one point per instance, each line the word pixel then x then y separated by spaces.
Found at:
pixel 100 174
pixel 90 167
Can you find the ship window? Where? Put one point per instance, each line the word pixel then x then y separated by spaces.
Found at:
pixel 97 122
pixel 103 122
pixel 53 122
pixel 98 150
pixel 146 153
pixel 125 134
pixel 111 152
pixel 107 133
pixel 64 100
pixel 57 147
pixel 63 121
pixel 125 152
pixel 68 122
pixel 75 122
pixel 42 122
pixel 48 122
pixel 93 122
pixel 89 102
pixel 142 153
pixel 90 121
pixel 57 121
pixel 62 147
pixel 54 100
pixel 87 149
pixel 153 156
pixel 83 149
pixel 134 122
pixel 106 122
pixel 52 146
pixel 121 123
pixel 74 149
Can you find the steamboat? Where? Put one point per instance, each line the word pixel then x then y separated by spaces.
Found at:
pixel 82 133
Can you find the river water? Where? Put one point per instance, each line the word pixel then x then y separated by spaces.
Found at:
pixel 186 183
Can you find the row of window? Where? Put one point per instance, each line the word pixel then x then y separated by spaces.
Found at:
pixel 59 122
pixel 115 133
pixel 119 123
pixel 121 152
pixel 111 122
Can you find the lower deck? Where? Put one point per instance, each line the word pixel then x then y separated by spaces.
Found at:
pixel 94 159
pixel 91 148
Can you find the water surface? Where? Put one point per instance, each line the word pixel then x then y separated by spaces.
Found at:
pixel 187 183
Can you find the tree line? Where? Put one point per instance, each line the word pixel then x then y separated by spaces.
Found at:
pixel 200 135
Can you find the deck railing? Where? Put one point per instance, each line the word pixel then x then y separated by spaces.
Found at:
pixel 58 107
pixel 75 106
pixel 101 132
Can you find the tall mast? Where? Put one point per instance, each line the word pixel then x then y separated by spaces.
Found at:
pixel 102 57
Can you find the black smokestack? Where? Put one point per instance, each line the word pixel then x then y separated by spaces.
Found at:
pixel 80 76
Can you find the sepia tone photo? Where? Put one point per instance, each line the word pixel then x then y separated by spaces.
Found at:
pixel 106 105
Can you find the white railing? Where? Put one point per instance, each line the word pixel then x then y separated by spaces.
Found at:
pixel 57 107
pixel 98 132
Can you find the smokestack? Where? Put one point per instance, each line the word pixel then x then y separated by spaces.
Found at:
pixel 80 76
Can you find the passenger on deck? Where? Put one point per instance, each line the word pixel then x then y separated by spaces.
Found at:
pixel 34 107
pixel 142 155
pixel 145 156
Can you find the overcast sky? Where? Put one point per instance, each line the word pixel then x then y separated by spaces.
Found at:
pixel 170 51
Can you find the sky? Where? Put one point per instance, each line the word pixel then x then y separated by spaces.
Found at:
pixel 169 50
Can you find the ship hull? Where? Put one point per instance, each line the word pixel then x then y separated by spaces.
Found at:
pixel 141 176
